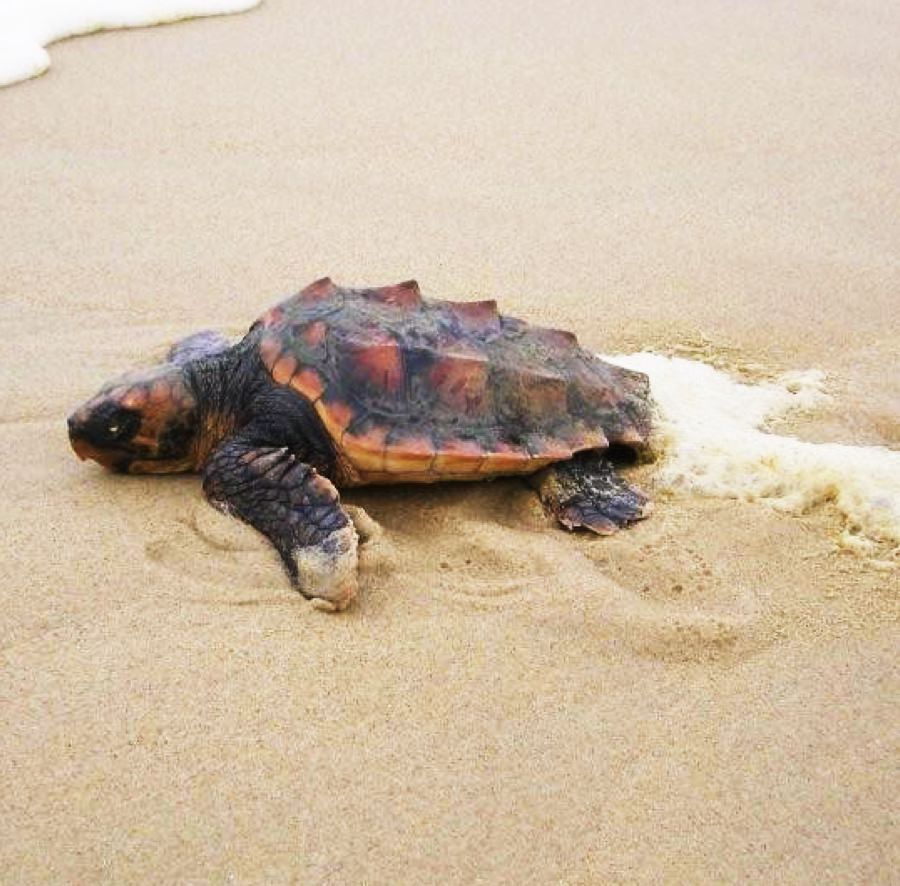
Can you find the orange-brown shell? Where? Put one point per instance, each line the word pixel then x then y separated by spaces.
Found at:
pixel 416 390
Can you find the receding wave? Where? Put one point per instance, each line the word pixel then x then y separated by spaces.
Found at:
pixel 713 439
pixel 27 26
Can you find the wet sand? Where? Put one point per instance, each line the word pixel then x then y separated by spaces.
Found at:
pixel 709 696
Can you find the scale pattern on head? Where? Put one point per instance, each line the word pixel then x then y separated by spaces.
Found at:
pixel 416 390
pixel 143 422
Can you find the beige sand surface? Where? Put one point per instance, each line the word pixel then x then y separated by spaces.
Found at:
pixel 710 696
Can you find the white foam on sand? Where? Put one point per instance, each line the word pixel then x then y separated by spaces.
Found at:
pixel 713 438
pixel 27 26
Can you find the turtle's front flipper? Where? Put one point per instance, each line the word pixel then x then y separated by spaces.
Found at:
pixel 586 491
pixel 200 344
pixel 295 507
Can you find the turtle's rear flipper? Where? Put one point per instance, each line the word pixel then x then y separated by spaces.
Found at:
pixel 586 491
pixel 296 508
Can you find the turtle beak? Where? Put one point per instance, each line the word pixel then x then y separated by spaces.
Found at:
pixel 75 436
pixel 84 449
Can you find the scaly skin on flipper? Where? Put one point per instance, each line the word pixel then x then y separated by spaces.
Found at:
pixel 587 492
pixel 296 508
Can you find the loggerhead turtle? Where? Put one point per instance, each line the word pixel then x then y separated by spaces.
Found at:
pixel 339 387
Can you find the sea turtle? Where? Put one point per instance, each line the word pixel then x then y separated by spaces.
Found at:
pixel 339 387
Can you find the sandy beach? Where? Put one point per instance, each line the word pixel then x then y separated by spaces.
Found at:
pixel 709 696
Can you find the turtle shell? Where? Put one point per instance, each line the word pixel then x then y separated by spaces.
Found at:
pixel 415 390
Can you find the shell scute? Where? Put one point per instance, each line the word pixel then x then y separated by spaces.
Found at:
pixel 548 448
pixel 273 316
pixel 402 295
pixel 524 392
pixel 269 350
pixel 408 453
pixel 584 437
pixel 459 382
pixel 309 384
pixel 555 339
pixel 478 317
pixel 365 446
pixel 319 290
pixel 458 457
pixel 313 334
pixel 284 368
pixel 506 458
pixel 375 362
pixel 336 415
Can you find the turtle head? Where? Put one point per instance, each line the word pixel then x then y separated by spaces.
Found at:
pixel 144 422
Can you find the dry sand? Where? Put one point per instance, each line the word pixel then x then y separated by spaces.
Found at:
pixel 710 696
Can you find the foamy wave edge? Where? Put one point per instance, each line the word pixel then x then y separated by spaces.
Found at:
pixel 712 439
pixel 27 26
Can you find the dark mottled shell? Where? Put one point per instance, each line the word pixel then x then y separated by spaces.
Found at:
pixel 415 390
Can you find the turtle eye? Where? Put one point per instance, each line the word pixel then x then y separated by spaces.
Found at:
pixel 122 425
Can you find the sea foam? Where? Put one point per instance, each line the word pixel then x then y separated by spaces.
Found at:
pixel 27 26
pixel 713 439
